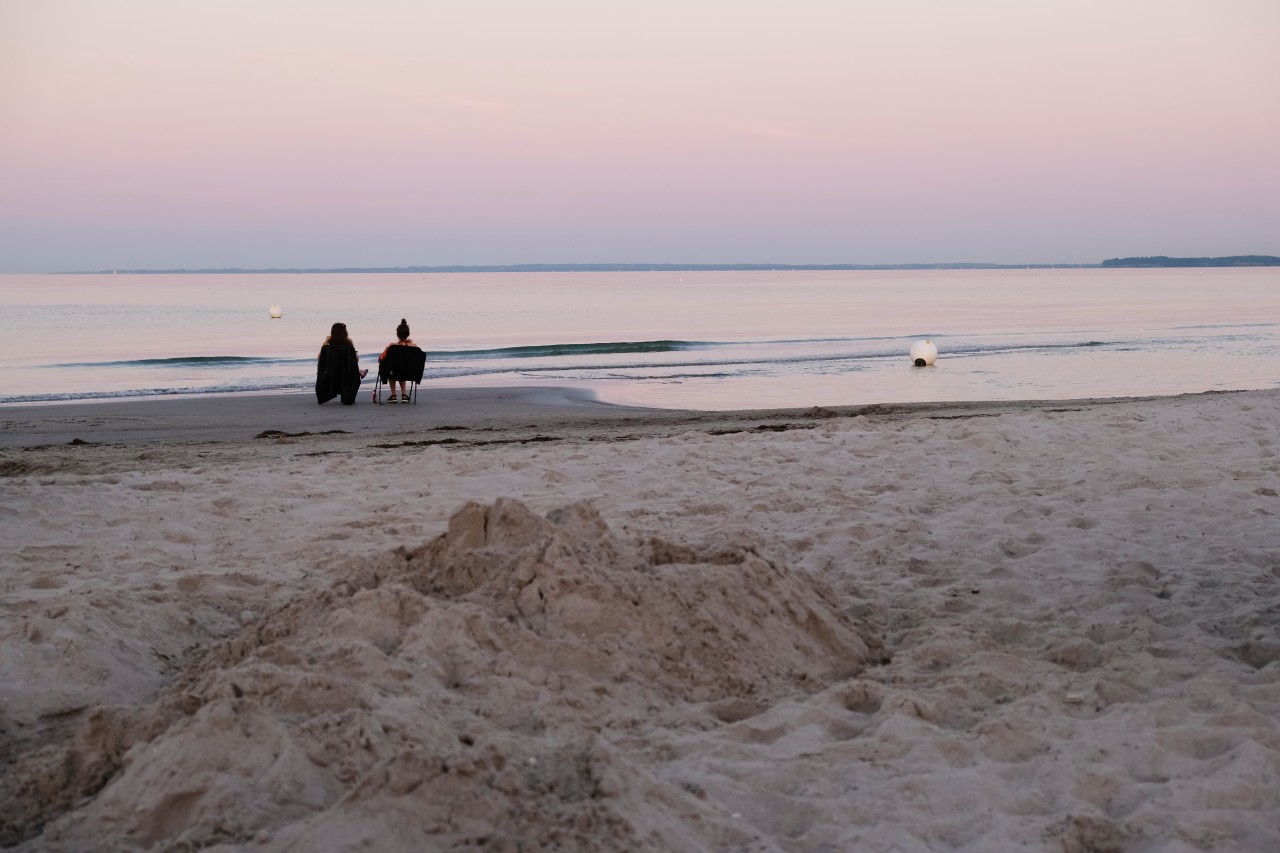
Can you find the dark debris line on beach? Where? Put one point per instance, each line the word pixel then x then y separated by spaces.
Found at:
pixel 278 433
pixel 437 441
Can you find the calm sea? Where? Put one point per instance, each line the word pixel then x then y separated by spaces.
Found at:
pixel 707 340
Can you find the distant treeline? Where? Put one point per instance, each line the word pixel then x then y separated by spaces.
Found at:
pixel 1162 261
pixel 593 268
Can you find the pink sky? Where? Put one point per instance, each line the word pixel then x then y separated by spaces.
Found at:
pixel 148 133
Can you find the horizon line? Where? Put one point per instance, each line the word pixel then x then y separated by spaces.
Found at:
pixel 1136 261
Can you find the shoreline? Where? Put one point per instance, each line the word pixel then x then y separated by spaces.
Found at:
pixel 469 415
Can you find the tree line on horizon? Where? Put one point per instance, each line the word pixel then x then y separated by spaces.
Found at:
pixel 1164 261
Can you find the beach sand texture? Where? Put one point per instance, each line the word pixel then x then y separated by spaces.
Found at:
pixel 1037 626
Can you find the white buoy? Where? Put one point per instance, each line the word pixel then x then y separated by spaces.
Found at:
pixel 275 312
pixel 923 353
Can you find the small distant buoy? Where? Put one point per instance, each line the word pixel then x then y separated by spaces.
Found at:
pixel 923 353
pixel 275 312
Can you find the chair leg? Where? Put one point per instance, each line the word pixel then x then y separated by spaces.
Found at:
pixel 377 386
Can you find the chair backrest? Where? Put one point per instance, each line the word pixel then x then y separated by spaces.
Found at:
pixel 405 364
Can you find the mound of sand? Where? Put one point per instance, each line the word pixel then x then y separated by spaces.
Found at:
pixel 498 686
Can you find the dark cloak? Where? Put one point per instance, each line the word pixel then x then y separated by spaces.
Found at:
pixel 337 373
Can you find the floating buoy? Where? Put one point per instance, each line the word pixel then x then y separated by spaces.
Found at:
pixel 275 312
pixel 923 353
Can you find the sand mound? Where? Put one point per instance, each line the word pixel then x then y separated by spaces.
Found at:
pixel 496 686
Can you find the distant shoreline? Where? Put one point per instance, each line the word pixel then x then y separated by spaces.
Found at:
pixel 1163 261
pixel 1111 263
pixel 528 268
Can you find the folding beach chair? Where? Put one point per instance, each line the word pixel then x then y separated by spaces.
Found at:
pixel 401 364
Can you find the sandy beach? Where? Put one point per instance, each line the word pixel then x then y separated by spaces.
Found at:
pixel 516 619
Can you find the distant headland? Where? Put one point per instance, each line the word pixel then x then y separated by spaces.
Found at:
pixel 1155 261
pixel 1162 261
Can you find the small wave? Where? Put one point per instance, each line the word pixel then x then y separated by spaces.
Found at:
pixel 1224 326
pixel 719 375
pixel 533 351
pixel 645 347
pixel 570 350
pixel 133 393
pixel 191 361
pixel 764 359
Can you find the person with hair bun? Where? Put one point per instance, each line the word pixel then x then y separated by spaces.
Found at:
pixel 402 340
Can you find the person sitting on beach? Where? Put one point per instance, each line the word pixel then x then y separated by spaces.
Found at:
pixel 338 370
pixel 402 340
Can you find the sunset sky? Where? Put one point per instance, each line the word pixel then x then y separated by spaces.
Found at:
pixel 311 133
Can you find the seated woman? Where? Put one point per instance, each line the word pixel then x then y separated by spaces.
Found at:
pixel 402 340
pixel 338 370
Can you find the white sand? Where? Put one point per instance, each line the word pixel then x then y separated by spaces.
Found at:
pixel 1044 627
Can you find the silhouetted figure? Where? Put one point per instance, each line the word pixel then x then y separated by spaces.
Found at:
pixel 338 370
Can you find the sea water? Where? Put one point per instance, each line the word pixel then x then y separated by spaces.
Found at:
pixel 705 340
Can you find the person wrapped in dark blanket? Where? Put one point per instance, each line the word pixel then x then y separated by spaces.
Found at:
pixel 338 372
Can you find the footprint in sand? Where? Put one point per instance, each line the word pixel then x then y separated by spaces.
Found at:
pixel 1024 548
pixel 160 486
pixel 1079 655
pixel 1197 744
pixel 1258 654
